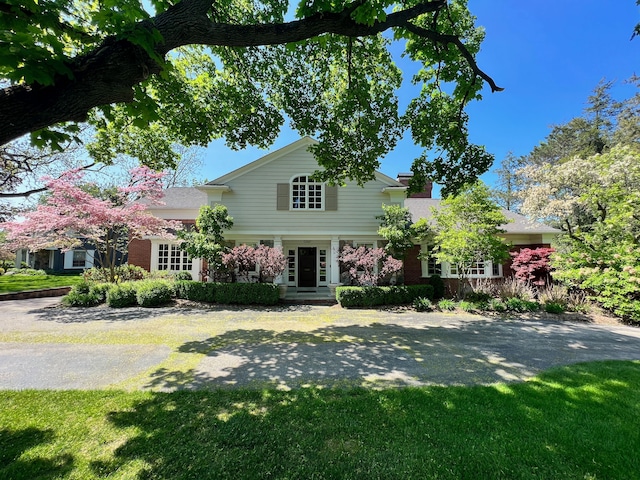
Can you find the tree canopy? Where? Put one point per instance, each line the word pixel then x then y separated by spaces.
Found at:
pixel 195 70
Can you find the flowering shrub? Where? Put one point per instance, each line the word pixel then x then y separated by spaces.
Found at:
pixel 367 266
pixel 267 261
pixel 532 265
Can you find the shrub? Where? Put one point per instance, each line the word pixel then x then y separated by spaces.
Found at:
pixel 438 286
pixel 497 305
pixel 153 293
pixel 578 302
pixel 467 306
pixel 514 288
pixel 101 290
pixel 123 273
pixel 183 275
pixel 515 304
pixel 247 293
pixel 25 271
pixel 195 291
pixel 483 290
pixel 376 296
pixel 446 304
pixel 81 299
pixel 422 304
pixel 532 265
pixel 553 307
pixel 556 294
pixel 122 295
pixel 368 266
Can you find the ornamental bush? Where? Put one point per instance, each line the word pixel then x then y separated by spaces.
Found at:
pixel 532 265
pixel 122 295
pixel 153 293
pixel 247 293
pixel 354 297
pixel 195 291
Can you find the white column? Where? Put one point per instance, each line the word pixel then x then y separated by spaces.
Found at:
pixel 277 243
pixel 334 264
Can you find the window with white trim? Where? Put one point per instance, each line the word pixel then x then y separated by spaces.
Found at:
pixel 430 265
pixel 171 257
pixel 78 259
pixel 306 194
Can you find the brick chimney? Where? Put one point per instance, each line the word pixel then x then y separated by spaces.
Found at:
pixel 404 178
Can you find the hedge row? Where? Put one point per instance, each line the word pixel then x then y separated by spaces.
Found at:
pixel 350 297
pixel 153 293
pixel 229 293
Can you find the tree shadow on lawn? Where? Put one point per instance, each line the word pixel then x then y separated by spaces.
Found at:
pixel 563 424
pixel 14 443
pixel 64 314
pixel 390 355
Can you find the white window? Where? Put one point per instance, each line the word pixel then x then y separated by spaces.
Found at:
pixel 306 194
pixel 78 259
pixel 479 269
pixel 171 257
pixel 430 265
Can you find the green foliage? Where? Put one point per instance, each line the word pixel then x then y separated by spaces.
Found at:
pixel 195 291
pixel 123 273
pixel 182 275
pixel 422 304
pixel 153 293
pixel 515 304
pixel 247 293
pixel 30 272
pixel 122 295
pixel 553 307
pixel 398 229
pixel 446 304
pixel 359 297
pixel 438 285
pixel 467 306
pixel 467 229
pixel 497 305
pixel 87 294
pixel 340 84
pixel 207 241
pixel 76 298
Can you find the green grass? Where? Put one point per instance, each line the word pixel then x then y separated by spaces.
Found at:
pixel 576 422
pixel 21 283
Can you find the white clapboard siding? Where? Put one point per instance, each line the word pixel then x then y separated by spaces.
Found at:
pixel 252 202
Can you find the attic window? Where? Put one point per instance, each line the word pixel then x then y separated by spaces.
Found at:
pixel 306 194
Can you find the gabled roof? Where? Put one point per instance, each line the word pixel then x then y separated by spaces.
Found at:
pixel 304 142
pixel 421 208
pixel 180 198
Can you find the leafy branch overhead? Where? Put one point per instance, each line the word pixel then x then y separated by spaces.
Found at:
pixel 202 70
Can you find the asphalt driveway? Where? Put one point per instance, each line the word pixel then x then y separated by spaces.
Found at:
pixel 43 345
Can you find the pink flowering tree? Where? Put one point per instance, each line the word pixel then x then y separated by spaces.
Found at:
pixel 532 265
pixel 74 214
pixel 367 266
pixel 268 262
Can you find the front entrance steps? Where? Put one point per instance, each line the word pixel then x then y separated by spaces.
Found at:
pixel 309 296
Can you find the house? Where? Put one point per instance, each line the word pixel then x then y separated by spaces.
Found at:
pixel 275 202
pixel 56 260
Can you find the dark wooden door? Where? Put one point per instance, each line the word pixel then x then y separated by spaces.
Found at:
pixel 307 267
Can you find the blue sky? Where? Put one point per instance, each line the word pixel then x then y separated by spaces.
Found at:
pixel 548 55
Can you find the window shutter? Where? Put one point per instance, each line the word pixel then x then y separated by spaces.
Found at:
pixel 282 196
pixel 331 197
pixel 90 259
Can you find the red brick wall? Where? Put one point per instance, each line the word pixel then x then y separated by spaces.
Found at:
pixel 413 267
pixel 140 253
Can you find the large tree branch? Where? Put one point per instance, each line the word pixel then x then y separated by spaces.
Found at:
pixel 108 74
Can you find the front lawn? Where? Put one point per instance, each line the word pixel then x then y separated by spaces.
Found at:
pixel 21 283
pixel 576 422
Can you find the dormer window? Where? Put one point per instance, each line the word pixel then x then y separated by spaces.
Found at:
pixel 306 194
